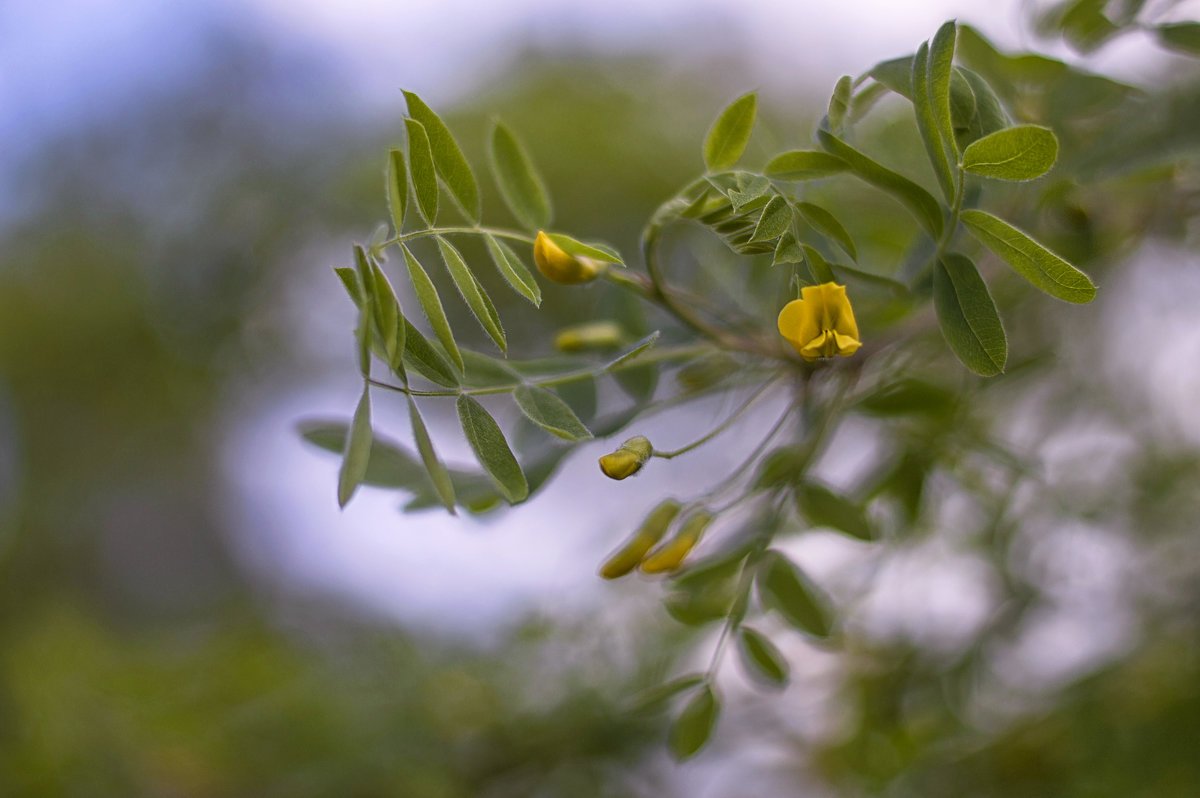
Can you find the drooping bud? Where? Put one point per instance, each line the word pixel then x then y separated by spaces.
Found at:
pixel 627 460
pixel 560 266
pixel 626 558
pixel 670 555
pixel 593 335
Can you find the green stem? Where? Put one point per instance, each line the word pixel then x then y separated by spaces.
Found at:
pixel 653 356
pixel 721 428
pixel 438 231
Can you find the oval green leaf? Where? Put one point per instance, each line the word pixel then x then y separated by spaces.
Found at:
pixel 1024 152
pixel 839 102
pixel 422 357
pixel 397 188
pixel 422 170
pixel 574 247
pixel 762 660
pixel 822 507
pixel 515 272
pixel 939 69
pixel 491 449
pixel 694 726
pixel 472 293
pixel 358 450
pixel 550 413
pixel 431 305
pixel 782 587
pixel 775 219
pixel 818 267
pixel 520 185
pixel 437 472
pixel 729 135
pixel 804 165
pixel 1183 37
pixel 919 201
pixel 927 124
pixel 827 223
pixel 1034 262
pixel 967 315
pixel 448 159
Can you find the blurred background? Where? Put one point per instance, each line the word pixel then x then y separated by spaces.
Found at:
pixel 184 611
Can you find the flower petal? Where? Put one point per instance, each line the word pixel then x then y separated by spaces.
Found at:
pixel 796 322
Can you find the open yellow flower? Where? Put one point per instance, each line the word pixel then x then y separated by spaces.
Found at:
pixel 820 323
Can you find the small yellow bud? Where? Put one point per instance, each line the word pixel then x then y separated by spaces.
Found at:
pixel 560 266
pixel 626 558
pixel 627 460
pixel 820 323
pixel 670 555
pixel 593 335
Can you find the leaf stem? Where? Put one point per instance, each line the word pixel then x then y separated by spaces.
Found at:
pixel 720 428
pixel 438 231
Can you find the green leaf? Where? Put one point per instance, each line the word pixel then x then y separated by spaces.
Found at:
pixel 694 726
pixel 729 135
pixel 580 396
pixel 987 113
pixel 448 159
pixel 514 271
pixel 775 219
pixel 828 224
pixel 431 305
pixel 896 74
pixel 550 413
pixel 1035 263
pixel 491 449
pixel 762 660
pixel 870 278
pixel 437 472
pixel 919 201
pixel 908 396
pixel 787 250
pixel 804 165
pixel 472 292
pixel 397 188
pixel 938 76
pixel 349 278
pixel 839 102
pixel 387 318
pixel 656 698
pixel 823 507
pixel 1183 37
pixel 927 123
pixel 421 356
pixel 422 170
pixel 968 316
pixel 520 185
pixel 1016 153
pixel 817 266
pixel 358 450
pixel 482 371
pixel 632 352
pixel 784 588
pixel 574 247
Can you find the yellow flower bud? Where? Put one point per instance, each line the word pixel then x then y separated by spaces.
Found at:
pixel 594 335
pixel 820 323
pixel 670 555
pixel 627 460
pixel 626 558
pixel 560 266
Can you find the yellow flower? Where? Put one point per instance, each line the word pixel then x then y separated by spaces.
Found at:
pixel 626 558
pixel 669 556
pixel 627 460
pixel 559 265
pixel 592 335
pixel 820 323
